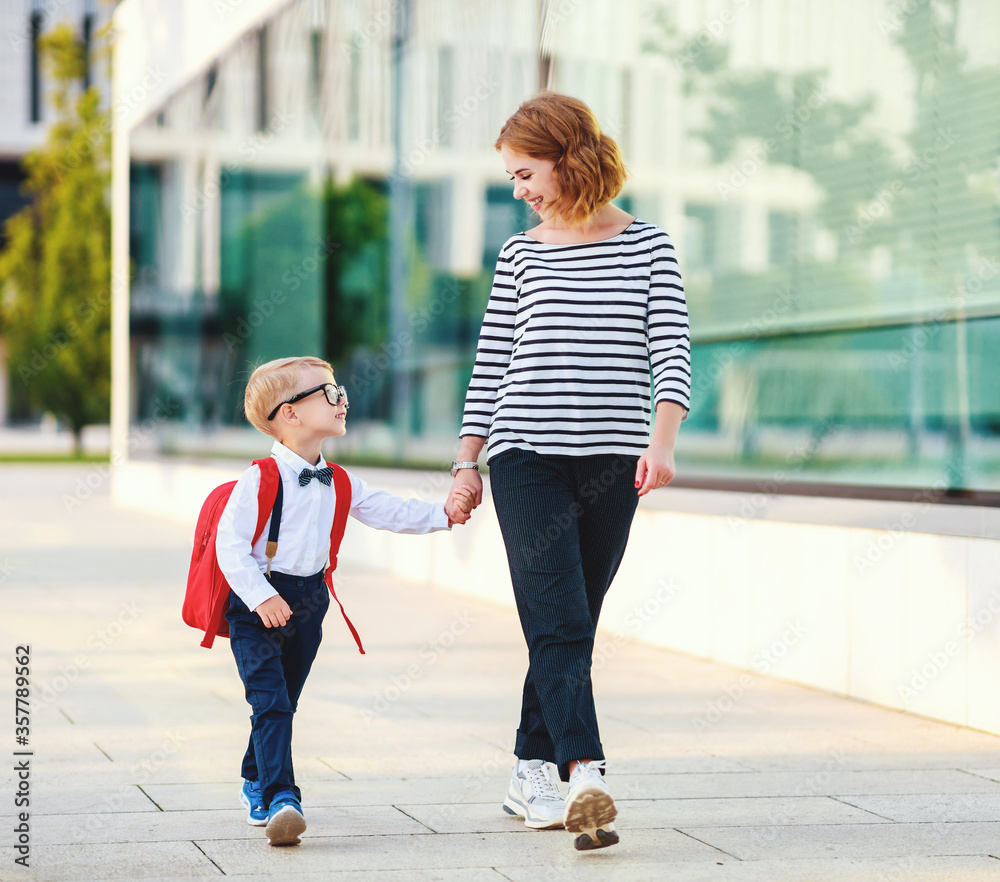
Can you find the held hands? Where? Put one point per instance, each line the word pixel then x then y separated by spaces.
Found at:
pixel 655 468
pixel 274 612
pixel 466 494
pixel 461 501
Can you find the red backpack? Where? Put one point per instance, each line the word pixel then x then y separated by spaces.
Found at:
pixel 207 597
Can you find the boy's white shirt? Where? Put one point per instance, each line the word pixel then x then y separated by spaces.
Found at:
pixel 306 520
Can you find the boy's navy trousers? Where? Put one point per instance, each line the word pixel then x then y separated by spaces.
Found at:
pixel 565 522
pixel 273 665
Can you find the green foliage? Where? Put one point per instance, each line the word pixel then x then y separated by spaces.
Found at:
pixel 319 256
pixel 303 270
pixel 356 218
pixel 55 270
pixel 272 252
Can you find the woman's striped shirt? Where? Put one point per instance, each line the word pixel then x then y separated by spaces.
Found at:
pixel 570 337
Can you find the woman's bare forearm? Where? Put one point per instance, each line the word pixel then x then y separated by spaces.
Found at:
pixel 668 421
pixel 470 448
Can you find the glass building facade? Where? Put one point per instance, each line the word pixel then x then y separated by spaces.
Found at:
pixel 830 175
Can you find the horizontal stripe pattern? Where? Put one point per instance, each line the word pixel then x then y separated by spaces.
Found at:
pixel 570 338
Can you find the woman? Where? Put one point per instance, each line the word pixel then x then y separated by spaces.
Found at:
pixel 582 306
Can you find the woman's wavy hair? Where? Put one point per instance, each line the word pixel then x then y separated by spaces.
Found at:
pixel 588 164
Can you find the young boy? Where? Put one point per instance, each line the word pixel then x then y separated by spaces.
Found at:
pixel 275 620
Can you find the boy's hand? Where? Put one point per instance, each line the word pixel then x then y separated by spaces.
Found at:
pixel 274 612
pixel 466 486
pixel 460 505
pixel 465 498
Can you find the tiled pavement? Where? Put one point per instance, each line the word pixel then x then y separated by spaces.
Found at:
pixel 403 754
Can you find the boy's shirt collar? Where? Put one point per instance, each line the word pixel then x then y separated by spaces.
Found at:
pixel 291 459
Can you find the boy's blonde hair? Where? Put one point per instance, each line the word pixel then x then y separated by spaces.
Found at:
pixel 271 384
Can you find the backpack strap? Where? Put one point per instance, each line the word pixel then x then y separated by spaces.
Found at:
pixel 271 548
pixel 267 494
pixel 269 500
pixel 342 484
pixel 270 485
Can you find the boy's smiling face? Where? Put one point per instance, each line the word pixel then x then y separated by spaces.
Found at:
pixel 314 413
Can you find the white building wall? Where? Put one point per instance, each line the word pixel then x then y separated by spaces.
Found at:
pixel 893 603
pixel 19 134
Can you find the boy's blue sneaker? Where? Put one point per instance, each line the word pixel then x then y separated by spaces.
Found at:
pixel 250 797
pixel 285 821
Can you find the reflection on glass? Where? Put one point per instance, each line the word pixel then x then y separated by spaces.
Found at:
pixel 832 194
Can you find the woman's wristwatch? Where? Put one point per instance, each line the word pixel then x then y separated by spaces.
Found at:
pixel 455 466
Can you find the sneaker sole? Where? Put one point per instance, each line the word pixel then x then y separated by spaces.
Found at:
pixel 251 820
pixel 285 827
pixel 518 810
pixel 591 814
pixel 604 838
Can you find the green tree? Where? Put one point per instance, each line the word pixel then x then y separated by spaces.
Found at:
pixel 356 219
pixel 56 267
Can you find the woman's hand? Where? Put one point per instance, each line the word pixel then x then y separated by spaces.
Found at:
pixel 655 468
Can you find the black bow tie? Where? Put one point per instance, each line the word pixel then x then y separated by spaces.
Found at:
pixel 324 474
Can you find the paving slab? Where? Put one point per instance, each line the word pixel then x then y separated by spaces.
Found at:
pixel 752 843
pixel 931 808
pixel 229 823
pixel 91 863
pixel 404 754
pixel 330 791
pixel 67 800
pixel 475 874
pixel 660 814
pixel 915 869
pixel 814 782
pixel 448 851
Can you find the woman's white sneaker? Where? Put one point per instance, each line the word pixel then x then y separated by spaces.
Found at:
pixel 590 810
pixel 534 795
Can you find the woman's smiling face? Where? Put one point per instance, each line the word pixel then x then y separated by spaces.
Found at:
pixel 534 180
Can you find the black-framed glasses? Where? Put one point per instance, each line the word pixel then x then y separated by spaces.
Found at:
pixel 334 396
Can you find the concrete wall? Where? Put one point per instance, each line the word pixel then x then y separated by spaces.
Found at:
pixel 894 603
